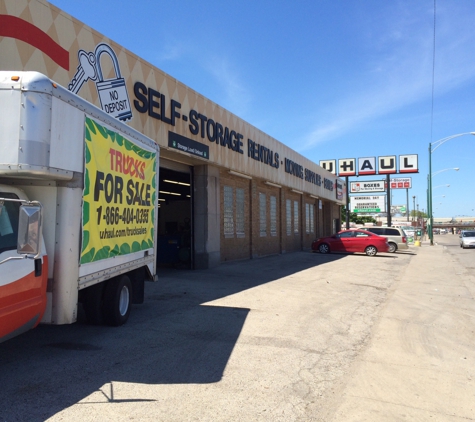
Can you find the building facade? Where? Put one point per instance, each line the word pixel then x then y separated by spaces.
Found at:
pixel 227 190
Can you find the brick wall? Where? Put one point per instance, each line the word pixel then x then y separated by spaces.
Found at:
pixel 272 236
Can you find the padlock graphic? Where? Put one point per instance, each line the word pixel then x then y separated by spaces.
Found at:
pixel 112 92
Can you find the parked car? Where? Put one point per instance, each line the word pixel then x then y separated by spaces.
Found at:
pixel 396 236
pixel 351 241
pixel 410 233
pixel 467 239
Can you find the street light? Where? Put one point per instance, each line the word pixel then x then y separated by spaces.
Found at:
pixel 441 186
pixel 440 171
pixel 432 147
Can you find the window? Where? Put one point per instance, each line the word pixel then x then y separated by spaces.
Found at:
pixel 273 216
pixel 228 212
pixel 262 215
pixel 392 232
pixel 312 218
pixel 346 234
pixel 296 217
pixel 361 234
pixel 309 218
pixel 9 223
pixel 375 231
pixel 288 216
pixel 240 212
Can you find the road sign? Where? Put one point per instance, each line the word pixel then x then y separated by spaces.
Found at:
pixel 398 209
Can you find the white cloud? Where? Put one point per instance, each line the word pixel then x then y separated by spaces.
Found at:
pixel 228 79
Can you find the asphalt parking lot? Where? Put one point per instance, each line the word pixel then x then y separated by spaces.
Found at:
pixel 282 338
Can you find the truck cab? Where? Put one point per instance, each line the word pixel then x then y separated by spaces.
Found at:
pixel 22 284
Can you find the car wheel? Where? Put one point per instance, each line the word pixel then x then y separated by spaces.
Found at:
pixel 371 250
pixel 324 248
pixel 392 247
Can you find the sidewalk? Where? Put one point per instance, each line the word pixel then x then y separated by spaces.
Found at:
pixel 420 363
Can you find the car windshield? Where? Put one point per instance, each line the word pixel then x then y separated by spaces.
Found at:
pixel 468 234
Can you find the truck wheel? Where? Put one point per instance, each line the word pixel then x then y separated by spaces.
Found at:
pixel 117 299
pixel 92 304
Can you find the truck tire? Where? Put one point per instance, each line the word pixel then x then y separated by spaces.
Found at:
pixel 117 300
pixel 92 304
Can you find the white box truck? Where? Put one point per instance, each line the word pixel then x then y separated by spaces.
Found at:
pixel 78 208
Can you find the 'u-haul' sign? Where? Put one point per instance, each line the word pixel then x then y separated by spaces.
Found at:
pixel 366 166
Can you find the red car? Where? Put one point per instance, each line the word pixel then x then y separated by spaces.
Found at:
pixel 352 241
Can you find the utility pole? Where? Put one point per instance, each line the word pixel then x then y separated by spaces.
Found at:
pixel 413 207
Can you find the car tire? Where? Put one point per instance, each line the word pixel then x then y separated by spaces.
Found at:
pixel 392 247
pixel 371 250
pixel 117 301
pixel 324 248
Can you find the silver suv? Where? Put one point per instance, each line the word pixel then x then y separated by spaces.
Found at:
pixel 467 239
pixel 396 236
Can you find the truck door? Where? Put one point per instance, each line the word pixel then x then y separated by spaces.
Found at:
pixel 22 281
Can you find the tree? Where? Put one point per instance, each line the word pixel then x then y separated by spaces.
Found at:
pixel 418 214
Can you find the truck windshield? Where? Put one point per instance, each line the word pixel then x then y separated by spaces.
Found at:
pixel 9 222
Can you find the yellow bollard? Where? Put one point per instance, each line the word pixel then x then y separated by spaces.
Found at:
pixel 417 243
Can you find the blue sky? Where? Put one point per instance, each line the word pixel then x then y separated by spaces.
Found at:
pixel 330 79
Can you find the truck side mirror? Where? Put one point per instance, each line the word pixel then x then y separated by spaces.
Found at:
pixel 29 229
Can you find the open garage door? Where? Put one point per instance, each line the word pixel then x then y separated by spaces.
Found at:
pixel 175 228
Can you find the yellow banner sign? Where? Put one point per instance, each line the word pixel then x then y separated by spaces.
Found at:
pixel 119 195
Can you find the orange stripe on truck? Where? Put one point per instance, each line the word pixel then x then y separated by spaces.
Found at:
pixel 23 302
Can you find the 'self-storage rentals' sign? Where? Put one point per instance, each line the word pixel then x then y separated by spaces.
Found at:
pixel 37 36
pixel 371 204
pixel 371 166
